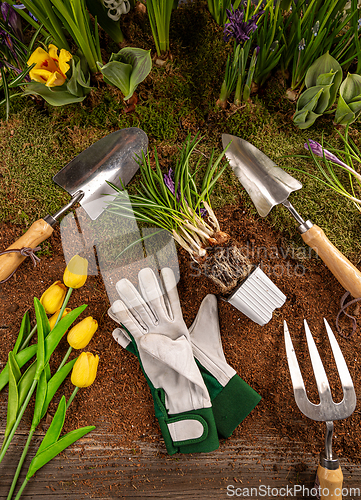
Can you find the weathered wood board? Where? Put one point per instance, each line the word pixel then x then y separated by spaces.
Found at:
pixel 264 464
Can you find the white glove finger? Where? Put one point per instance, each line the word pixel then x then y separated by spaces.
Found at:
pixel 135 303
pixel 170 286
pixel 152 293
pixel 120 313
pixel 120 336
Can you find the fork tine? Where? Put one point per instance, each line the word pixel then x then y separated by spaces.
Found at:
pixel 343 371
pixel 323 385
pixel 296 376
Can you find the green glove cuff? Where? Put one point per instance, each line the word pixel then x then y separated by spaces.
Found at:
pixel 232 405
pixel 200 423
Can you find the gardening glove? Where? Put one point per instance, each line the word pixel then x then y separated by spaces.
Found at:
pixel 232 399
pixel 160 338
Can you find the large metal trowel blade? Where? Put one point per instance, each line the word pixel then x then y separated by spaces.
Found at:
pixel 267 184
pixel 110 159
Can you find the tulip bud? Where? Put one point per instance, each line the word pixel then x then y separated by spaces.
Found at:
pixel 76 272
pixel 84 370
pixel 54 317
pixel 53 297
pixel 81 334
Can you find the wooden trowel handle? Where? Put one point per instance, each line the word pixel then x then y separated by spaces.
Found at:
pixel 345 272
pixel 330 483
pixel 39 231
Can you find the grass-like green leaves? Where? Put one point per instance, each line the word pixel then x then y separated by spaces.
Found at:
pixel 176 201
pixel 159 12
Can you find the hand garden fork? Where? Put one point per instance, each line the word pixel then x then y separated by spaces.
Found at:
pixel 329 471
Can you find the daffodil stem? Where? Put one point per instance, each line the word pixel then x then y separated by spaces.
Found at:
pixel 65 303
pixel 70 400
pixel 28 338
pixel 20 416
pixel 20 464
pixel 65 359
pixel 22 487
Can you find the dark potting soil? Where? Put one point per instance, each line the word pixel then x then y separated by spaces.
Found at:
pixel 119 400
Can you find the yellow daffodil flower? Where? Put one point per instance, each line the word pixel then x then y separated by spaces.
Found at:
pixel 50 68
pixel 54 317
pixel 53 297
pixel 85 370
pixel 76 272
pixel 81 334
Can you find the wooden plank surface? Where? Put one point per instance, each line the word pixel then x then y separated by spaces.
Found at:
pixel 92 468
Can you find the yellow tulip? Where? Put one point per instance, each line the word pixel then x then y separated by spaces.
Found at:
pixel 85 369
pixel 49 68
pixel 81 334
pixel 76 272
pixel 53 297
pixel 54 317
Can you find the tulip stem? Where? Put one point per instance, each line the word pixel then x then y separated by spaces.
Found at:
pixel 15 426
pixel 70 400
pixel 28 338
pixel 22 487
pixel 20 464
pixel 65 359
pixel 65 303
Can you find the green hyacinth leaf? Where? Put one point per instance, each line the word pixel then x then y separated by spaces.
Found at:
pixel 323 100
pixel 350 87
pixel 326 78
pixel 98 11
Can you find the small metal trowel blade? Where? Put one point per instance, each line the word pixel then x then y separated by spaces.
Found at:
pixel 267 184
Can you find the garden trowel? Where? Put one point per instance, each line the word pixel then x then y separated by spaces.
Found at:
pixel 269 185
pixel 111 159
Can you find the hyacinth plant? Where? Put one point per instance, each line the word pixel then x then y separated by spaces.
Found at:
pixel 351 156
pixel 240 27
pixel 175 202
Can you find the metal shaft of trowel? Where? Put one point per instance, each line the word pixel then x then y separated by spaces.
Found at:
pixel 304 225
pixel 52 219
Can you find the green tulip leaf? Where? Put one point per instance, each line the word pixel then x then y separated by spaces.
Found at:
pixel 59 97
pixel 53 450
pixel 309 98
pixel 343 115
pixel 13 395
pixel 322 66
pixel 54 384
pixel 54 337
pixel 304 118
pixel 118 74
pixel 326 78
pixel 355 107
pixel 23 332
pixel 323 101
pixel 350 87
pixel 43 329
pixel 41 393
pixel 53 433
pixel 127 69
pixel 25 382
pixel 22 358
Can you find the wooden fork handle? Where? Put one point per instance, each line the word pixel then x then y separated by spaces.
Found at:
pixel 330 483
pixel 39 231
pixel 345 272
